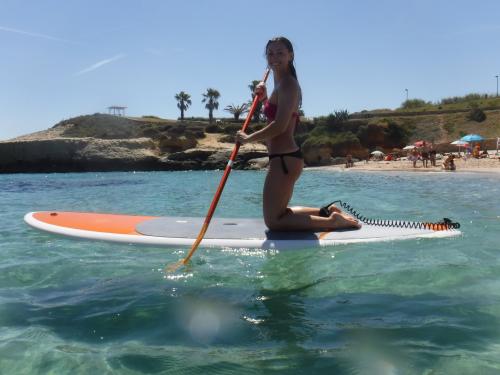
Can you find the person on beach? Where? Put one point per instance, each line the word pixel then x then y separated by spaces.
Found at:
pixel 348 161
pixel 449 163
pixel 425 157
pixel 285 157
pixel 432 156
pixel 414 157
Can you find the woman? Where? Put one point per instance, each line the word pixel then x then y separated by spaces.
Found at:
pixel 285 157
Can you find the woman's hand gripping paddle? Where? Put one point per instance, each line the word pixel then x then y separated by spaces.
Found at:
pixel 218 193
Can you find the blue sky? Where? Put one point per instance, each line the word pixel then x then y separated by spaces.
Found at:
pixel 60 59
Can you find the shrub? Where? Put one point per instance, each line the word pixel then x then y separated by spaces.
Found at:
pixel 214 128
pixel 473 97
pixel 341 115
pixel 231 129
pixel 414 103
pixel 371 135
pixel 340 143
pixel 396 135
pixel 476 114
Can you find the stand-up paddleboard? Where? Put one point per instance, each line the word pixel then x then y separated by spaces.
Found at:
pixel 247 233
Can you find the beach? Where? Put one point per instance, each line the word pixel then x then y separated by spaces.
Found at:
pixel 486 165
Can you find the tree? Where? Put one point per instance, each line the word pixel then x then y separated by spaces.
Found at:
pixel 210 97
pixel 258 108
pixel 184 101
pixel 237 110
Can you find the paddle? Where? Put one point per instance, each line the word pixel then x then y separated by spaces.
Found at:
pixel 222 183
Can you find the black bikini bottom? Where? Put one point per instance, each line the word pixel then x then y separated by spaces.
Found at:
pixel 295 154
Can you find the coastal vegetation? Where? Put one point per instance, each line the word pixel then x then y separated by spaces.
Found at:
pixel 258 108
pixel 149 142
pixel 183 102
pixel 237 110
pixel 358 133
pixel 466 102
pixel 211 99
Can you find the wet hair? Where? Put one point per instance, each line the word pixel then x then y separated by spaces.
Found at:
pixel 289 47
pixel 291 66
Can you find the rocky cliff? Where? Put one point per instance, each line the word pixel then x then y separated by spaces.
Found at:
pixel 91 154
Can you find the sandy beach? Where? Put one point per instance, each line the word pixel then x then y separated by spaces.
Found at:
pixel 487 165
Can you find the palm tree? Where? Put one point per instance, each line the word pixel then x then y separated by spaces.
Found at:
pixel 256 114
pixel 184 101
pixel 237 110
pixel 210 97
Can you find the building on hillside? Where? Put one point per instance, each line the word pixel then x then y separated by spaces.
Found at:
pixel 117 110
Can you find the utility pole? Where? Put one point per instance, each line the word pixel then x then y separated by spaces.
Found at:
pixel 497 84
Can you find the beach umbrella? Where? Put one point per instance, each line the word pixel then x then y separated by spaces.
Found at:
pixel 460 143
pixel 410 147
pixel 472 138
pixel 419 143
pixel 376 152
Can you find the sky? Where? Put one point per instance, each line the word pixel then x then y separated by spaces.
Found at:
pixel 61 59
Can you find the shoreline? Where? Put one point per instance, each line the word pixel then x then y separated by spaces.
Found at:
pixel 490 166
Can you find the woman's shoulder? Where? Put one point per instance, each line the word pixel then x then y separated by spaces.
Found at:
pixel 288 83
pixel 288 86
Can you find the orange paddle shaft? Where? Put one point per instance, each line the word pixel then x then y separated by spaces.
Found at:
pixel 225 176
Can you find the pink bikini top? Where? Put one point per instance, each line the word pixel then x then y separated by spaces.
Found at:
pixel 270 110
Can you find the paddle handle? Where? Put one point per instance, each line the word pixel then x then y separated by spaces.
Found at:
pixel 224 178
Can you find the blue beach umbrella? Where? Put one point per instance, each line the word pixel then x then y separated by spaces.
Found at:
pixel 472 138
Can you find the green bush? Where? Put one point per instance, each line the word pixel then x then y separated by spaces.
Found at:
pixel 231 129
pixel 414 103
pixel 214 128
pixel 395 135
pixel 476 114
pixel 473 97
pixel 371 135
pixel 340 143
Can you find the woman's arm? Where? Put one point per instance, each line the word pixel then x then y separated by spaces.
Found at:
pixel 288 97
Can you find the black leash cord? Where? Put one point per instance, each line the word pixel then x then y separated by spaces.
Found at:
pixel 446 224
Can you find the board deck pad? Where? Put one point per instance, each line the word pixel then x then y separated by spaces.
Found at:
pixel 234 232
pixel 189 227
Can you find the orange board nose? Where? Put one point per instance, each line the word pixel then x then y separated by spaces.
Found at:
pixel 108 223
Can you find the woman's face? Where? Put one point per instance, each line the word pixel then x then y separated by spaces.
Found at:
pixel 278 56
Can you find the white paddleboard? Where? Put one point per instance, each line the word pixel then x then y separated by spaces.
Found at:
pixel 239 233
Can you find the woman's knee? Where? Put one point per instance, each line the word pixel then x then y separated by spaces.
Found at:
pixel 275 222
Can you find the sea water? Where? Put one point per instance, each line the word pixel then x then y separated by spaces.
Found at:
pixel 428 306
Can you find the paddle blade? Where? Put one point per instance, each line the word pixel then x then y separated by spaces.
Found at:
pixel 174 267
pixel 171 268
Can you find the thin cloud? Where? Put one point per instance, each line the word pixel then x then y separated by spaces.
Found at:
pixel 99 64
pixel 34 35
pixel 154 51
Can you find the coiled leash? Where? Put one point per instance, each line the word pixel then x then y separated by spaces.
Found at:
pixel 445 224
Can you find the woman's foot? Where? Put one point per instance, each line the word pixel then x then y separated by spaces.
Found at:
pixel 332 208
pixel 339 220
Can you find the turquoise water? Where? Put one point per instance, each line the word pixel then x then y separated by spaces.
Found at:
pixel 429 306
